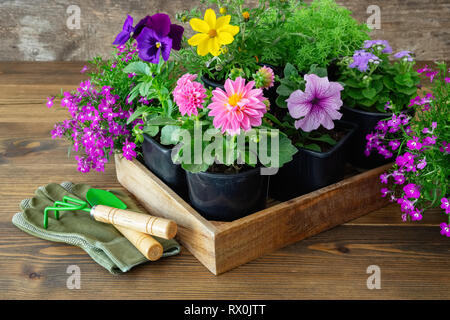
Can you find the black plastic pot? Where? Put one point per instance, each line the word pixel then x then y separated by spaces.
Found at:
pixel 310 170
pixel 158 159
pixel 366 122
pixel 227 197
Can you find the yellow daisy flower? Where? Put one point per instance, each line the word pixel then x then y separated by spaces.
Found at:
pixel 214 33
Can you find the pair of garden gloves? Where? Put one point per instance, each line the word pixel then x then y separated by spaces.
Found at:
pixel 104 243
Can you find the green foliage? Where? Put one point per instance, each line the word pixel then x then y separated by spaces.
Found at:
pixel 395 82
pixel 314 34
pixel 257 33
pixel 155 83
pixel 202 145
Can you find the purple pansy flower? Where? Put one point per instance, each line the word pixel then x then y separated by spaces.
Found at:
pixel 318 105
pixel 163 27
pixel 125 34
pixel 151 45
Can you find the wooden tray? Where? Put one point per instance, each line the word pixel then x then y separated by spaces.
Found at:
pixel 221 246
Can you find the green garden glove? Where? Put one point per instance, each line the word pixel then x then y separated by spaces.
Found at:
pixel 107 246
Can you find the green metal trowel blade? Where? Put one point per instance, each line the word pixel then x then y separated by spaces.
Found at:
pixel 103 197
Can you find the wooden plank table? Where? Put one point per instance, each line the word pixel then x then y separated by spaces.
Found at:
pixel 413 257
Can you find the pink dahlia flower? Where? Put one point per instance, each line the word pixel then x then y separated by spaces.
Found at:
pixel 189 94
pixel 240 106
pixel 318 105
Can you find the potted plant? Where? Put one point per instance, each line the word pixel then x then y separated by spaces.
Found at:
pixel 155 38
pixel 224 147
pixel 99 110
pixel 227 41
pixel 371 82
pixel 418 180
pixel 316 33
pixel 313 104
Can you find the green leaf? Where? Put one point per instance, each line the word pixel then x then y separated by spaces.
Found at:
pixel 404 79
pixel 195 167
pixel 281 102
pixel 369 93
pixel 325 138
pixel 137 113
pixel 290 70
pixel 138 67
pixel 409 91
pixel 283 90
pixel 319 71
pixel 313 147
pixel 168 135
pixel 354 93
pixel 161 121
pixel 389 83
pixel 151 130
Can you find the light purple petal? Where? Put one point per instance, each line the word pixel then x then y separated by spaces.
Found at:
pixel 299 104
pixel 316 86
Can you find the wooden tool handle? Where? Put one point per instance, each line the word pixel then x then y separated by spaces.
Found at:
pixel 141 222
pixel 146 244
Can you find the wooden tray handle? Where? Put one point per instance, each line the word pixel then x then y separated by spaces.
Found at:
pixel 140 222
pixel 146 244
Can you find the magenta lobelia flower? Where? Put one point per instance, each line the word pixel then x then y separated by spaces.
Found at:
pixel 318 105
pixel 445 204
pixel 189 94
pixel 445 229
pixel 411 191
pixel 240 106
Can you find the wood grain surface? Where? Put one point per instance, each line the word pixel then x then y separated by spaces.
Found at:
pixel 37 30
pixel 413 257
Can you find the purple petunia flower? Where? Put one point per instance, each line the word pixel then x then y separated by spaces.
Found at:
pixel 361 60
pixel 125 34
pixel 318 105
pixel 163 27
pixel 151 46
pixel 384 44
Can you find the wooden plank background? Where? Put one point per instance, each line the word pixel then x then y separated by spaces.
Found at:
pixel 36 30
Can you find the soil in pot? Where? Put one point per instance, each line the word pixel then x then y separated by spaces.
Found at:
pixel 311 170
pixel 227 197
pixel 158 159
pixel 366 122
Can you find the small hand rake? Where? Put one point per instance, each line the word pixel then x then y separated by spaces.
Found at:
pixel 108 208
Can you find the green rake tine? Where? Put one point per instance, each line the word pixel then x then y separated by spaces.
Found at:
pixel 64 207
